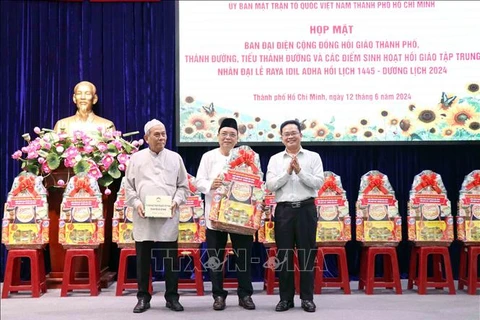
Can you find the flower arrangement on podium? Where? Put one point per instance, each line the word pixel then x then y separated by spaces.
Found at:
pixel 237 205
pixel 101 154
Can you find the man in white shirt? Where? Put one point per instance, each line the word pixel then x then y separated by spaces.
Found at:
pixel 156 171
pixel 295 175
pixel 208 179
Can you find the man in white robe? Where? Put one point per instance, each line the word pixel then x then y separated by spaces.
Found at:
pixel 156 171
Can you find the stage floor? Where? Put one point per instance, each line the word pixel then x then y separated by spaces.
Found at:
pixel 331 304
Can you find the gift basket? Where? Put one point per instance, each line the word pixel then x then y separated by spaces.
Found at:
pixel 468 217
pixel 237 204
pixel 122 221
pixel 377 219
pixel 192 226
pixel 81 222
pixel 25 221
pixel 429 210
pixel 334 222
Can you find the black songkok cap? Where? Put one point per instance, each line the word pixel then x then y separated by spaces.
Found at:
pixel 229 123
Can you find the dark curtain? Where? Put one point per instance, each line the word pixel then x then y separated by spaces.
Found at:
pixel 128 51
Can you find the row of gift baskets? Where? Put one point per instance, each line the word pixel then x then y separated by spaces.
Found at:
pixel 243 205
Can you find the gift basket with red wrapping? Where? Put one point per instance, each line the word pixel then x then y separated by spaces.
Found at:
pixel 237 204
pixel 468 218
pixel 122 221
pixel 377 217
pixel 191 231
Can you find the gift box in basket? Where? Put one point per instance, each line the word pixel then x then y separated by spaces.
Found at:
pixel 266 233
pixel 237 204
pixel 81 220
pixel 122 221
pixel 25 219
pixel 429 210
pixel 192 226
pixel 468 217
pixel 377 217
pixel 334 222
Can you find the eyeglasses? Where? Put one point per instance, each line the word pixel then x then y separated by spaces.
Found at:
pixel 226 134
pixel 290 134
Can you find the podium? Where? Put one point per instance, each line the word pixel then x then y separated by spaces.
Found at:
pixel 56 250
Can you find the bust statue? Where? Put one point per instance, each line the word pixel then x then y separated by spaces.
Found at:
pixel 84 96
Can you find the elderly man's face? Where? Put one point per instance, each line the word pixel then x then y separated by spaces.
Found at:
pixel 84 97
pixel 156 138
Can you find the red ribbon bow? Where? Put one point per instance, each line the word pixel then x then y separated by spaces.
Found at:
pixel 329 184
pixel 26 183
pixel 82 184
pixel 428 180
pixel 247 157
pixel 192 188
pixel 475 182
pixel 375 181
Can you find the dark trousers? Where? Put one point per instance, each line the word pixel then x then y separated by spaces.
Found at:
pixel 242 246
pixel 296 228
pixel 169 253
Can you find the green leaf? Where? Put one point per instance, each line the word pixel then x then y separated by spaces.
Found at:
pixel 105 181
pixel 81 167
pixel 53 161
pixel 32 168
pixel 112 149
pixel 113 171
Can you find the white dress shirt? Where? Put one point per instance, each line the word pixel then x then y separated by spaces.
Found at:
pixel 295 187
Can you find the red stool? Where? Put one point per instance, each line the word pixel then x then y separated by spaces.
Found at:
pixel 391 273
pixel 196 284
pixel 271 282
pixel 421 280
pixel 469 260
pixel 37 282
pixel 342 281
pixel 124 283
pixel 70 283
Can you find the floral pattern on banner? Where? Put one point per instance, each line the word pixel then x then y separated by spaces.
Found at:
pixel 454 116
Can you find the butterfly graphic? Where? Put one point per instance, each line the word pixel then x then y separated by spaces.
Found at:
pixel 446 102
pixel 303 126
pixel 209 110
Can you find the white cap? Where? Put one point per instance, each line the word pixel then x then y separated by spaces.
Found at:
pixel 152 123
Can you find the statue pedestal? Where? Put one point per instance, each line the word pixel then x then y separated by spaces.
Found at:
pixel 56 250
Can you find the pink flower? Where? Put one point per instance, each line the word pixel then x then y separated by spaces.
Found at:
pixel 45 167
pixel 135 143
pixel 95 172
pixel 107 161
pixel 88 149
pixel 17 155
pixel 32 155
pixel 102 146
pixel 47 146
pixel 69 162
pixel 108 192
pixel 123 158
pixel 62 136
pixel 41 160
pixel 36 130
pixel 72 152
pixel 59 149
pixel 117 133
pixel 140 142
pixel 24 149
pixel 117 144
pixel 121 167
pixel 61 183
